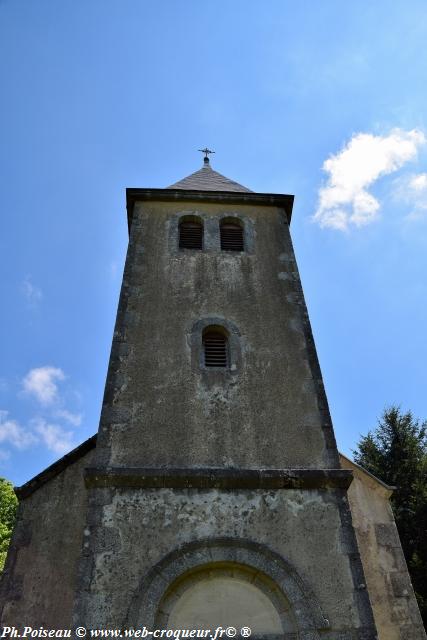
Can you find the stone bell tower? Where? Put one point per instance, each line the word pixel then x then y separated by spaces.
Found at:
pixel 216 497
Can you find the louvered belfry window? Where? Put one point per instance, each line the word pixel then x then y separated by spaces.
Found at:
pixel 190 235
pixel 215 348
pixel 231 236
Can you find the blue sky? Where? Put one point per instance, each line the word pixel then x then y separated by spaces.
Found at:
pixel 324 100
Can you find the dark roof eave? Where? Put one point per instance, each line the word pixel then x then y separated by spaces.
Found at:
pixel 233 197
pixel 55 469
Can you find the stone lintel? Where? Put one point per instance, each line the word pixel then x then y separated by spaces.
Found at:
pixel 215 478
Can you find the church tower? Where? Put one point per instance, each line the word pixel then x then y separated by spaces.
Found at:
pixel 215 493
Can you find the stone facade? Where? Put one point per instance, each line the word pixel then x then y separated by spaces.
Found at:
pixel 38 585
pixel 153 417
pixel 219 484
pixel 393 601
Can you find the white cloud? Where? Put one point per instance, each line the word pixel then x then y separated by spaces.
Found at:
pixel 411 189
pixel 344 200
pixel 33 294
pixel 41 383
pixel 73 418
pixel 418 183
pixel 55 437
pixel 12 432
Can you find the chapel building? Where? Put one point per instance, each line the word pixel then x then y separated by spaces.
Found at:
pixel 213 494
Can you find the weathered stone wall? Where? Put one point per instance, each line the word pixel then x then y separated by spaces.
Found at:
pixel 168 419
pixel 164 411
pixel 38 585
pixel 135 529
pixel 161 406
pixel 392 597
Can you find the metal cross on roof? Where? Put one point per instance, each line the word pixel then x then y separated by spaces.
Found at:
pixel 206 151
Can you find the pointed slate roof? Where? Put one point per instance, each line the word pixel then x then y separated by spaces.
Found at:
pixel 206 179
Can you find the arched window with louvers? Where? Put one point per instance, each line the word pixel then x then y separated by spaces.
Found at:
pixel 231 234
pixel 191 233
pixel 216 347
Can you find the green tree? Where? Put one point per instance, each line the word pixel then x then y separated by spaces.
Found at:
pixel 8 506
pixel 396 452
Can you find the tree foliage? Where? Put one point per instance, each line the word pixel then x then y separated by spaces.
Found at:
pixel 396 452
pixel 8 506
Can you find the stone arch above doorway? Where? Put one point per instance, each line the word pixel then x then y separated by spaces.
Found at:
pixel 161 587
pixel 226 594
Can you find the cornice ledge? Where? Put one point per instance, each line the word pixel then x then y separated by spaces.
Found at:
pixel 217 478
pixel 246 197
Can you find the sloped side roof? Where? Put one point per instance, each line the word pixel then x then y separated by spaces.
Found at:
pixel 347 463
pixel 206 179
pixel 56 468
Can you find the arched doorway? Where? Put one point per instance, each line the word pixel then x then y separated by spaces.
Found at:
pixel 226 595
pixel 246 572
